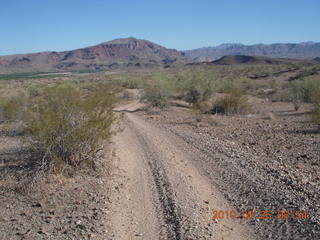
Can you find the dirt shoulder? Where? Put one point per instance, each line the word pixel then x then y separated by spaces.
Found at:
pixel 58 208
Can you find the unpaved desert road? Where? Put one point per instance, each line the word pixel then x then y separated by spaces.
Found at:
pixel 158 191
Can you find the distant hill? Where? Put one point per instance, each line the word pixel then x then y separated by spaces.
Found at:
pixel 243 59
pixel 306 50
pixel 119 53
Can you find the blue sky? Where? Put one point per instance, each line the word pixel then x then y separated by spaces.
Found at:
pixel 39 25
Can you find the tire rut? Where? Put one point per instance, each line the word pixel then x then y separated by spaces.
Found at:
pixel 171 212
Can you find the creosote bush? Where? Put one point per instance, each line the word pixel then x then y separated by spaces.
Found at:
pixel 159 91
pixel 10 107
pixel 235 102
pixel 197 85
pixel 315 114
pixel 304 90
pixel 67 125
pixel 157 96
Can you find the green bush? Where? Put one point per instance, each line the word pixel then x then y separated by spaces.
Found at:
pixel 315 114
pixel 157 95
pixel 159 89
pixel 197 85
pixel 11 107
pixel 235 102
pixel 304 90
pixel 131 81
pixel 226 85
pixel 67 125
pixel 34 90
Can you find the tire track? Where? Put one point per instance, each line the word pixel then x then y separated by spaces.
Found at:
pixel 164 192
pixel 169 207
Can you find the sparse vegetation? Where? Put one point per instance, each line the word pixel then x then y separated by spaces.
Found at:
pixel 159 90
pixel 307 90
pixel 66 122
pixel 198 85
pixel 235 102
pixel 67 125
pixel 29 75
pixel 315 115
pixel 304 90
pixel 10 107
pixel 64 125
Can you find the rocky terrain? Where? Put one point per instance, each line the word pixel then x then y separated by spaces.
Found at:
pixel 59 207
pixel 169 171
pixel 189 165
pixel 262 163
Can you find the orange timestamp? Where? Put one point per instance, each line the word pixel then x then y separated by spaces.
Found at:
pixel 259 214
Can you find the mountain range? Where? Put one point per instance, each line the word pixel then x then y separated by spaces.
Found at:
pixel 305 50
pixel 137 53
pixel 250 60
pixel 119 53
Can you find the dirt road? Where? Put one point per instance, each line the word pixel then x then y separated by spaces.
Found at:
pixel 160 194
pixel 173 171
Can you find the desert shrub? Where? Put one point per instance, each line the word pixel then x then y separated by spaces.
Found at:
pixel 235 102
pixel 272 83
pixel 131 81
pixel 248 84
pixel 34 90
pixel 67 125
pixel 296 104
pixel 157 96
pixel 226 85
pixel 305 89
pixel 281 95
pixel 315 114
pixel 11 107
pixel 159 90
pixel 197 85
